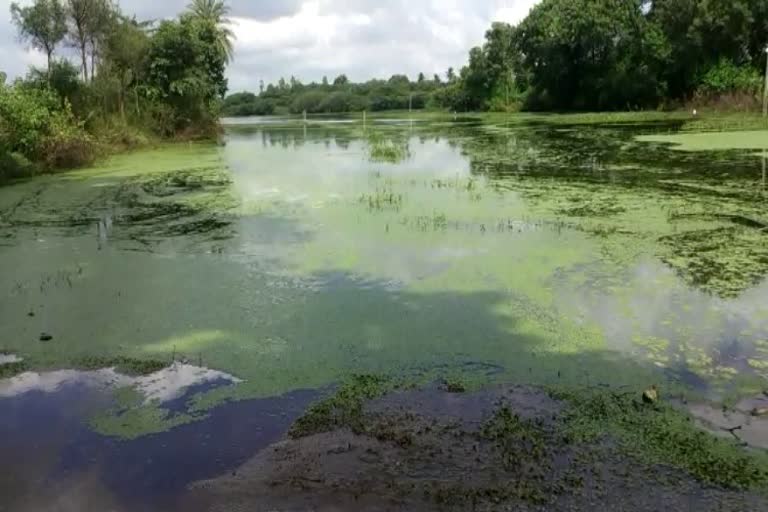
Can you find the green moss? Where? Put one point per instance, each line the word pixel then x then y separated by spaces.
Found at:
pixel 660 434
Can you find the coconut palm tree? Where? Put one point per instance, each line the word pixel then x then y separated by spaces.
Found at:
pixel 216 12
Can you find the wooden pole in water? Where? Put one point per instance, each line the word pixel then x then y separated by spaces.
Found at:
pixel 765 87
pixel 364 119
pixel 305 117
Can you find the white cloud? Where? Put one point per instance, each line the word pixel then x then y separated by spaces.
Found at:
pixel 312 38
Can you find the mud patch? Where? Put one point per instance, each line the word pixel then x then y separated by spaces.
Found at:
pixel 746 422
pixel 500 449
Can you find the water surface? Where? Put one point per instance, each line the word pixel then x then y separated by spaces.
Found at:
pixel 293 255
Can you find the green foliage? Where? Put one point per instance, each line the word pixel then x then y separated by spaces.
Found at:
pixel 61 77
pixel 246 104
pixel 186 72
pixel 726 77
pixel 214 12
pixel 26 118
pixel 396 93
pixel 169 80
pixel 613 54
pixel 592 54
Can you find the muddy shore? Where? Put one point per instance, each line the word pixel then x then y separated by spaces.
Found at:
pixel 506 448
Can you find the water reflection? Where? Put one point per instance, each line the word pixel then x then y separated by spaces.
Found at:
pixel 163 386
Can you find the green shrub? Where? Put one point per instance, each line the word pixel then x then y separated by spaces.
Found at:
pixel 26 114
pixel 726 77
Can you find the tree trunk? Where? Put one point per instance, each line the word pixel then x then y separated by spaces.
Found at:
pixel 50 58
pixel 84 56
pixel 93 59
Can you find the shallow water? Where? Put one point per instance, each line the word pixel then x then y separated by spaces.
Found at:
pixel 531 251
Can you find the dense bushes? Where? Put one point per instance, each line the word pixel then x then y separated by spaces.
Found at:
pixel 726 77
pixel 246 104
pixel 34 124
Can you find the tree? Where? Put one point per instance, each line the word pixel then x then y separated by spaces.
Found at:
pixel 61 77
pixel 702 32
pixel 592 54
pixel 103 19
pixel 261 86
pixel 421 78
pixel 186 66
pixel 450 75
pixel 216 12
pixel 125 53
pixel 325 81
pixel 43 24
pixel 341 80
pixel 436 79
pixel 79 12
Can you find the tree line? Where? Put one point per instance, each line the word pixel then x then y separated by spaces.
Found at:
pixel 134 80
pixel 398 92
pixel 571 55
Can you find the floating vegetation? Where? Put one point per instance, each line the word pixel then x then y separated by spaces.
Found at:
pixel 123 365
pixel 723 261
pixel 713 141
pixel 590 206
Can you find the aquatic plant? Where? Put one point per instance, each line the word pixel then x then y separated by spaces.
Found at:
pixel 392 149
pixel 124 365
pixel 659 434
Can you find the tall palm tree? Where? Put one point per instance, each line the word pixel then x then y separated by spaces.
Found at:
pixel 216 12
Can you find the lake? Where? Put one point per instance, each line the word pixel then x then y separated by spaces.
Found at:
pixel 532 249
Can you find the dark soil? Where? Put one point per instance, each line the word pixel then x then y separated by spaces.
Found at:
pixel 432 450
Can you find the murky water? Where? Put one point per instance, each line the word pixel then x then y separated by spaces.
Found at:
pixel 293 255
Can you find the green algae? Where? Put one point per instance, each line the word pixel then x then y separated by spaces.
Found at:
pixel 289 259
pixel 725 261
pixel 712 141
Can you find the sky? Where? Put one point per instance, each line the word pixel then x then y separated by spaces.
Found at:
pixel 310 39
